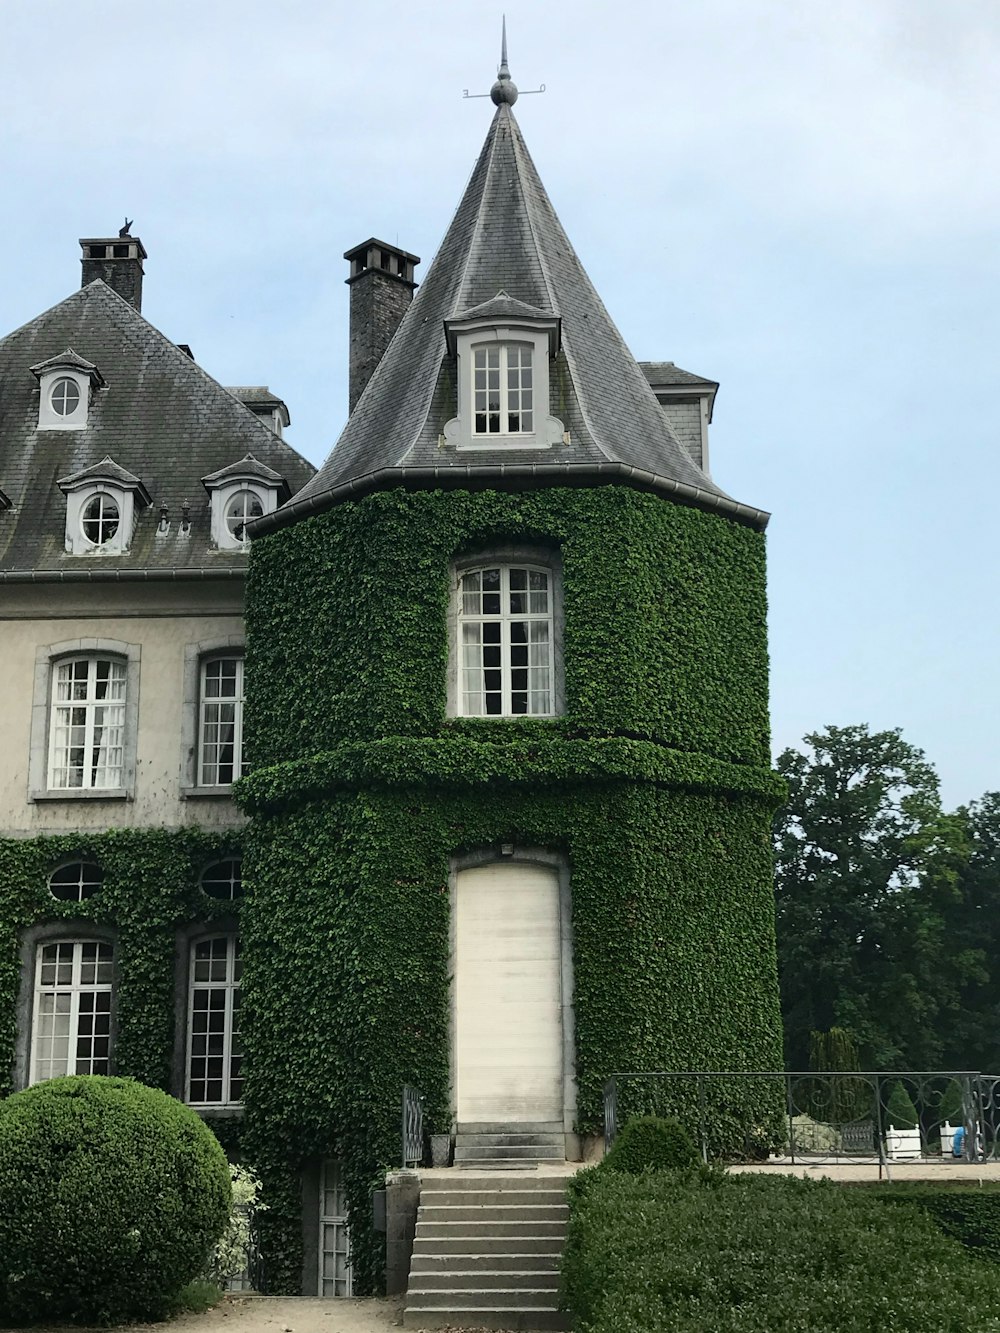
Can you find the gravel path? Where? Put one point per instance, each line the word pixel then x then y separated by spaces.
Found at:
pixel 277 1314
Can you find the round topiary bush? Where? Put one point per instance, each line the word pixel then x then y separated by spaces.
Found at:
pixel 651 1142
pixel 112 1194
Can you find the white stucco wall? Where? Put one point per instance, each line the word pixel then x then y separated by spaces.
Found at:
pixel 163 621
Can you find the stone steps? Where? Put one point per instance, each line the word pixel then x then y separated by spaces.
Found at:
pixel 492 1145
pixel 486 1253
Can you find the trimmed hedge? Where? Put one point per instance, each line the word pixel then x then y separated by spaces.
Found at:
pixel 675 1252
pixel 112 1195
pixel 970 1213
pixel 654 785
pixel 651 1143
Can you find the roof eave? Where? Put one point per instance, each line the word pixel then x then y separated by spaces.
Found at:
pixel 514 476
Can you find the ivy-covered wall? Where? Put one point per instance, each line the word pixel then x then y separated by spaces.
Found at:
pixel 664 637
pixel 151 890
pixel 654 784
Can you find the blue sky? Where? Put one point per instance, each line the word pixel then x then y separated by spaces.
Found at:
pixel 799 200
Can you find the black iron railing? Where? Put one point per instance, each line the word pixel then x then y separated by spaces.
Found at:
pixel 877 1116
pixel 413 1125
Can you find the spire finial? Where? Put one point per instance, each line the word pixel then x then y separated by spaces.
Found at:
pixel 505 89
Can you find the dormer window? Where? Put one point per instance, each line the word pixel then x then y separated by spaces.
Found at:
pixel 503 349
pixel 102 506
pixel 65 386
pixel 65 396
pixel 244 506
pixel 101 519
pixel 238 494
pixel 503 389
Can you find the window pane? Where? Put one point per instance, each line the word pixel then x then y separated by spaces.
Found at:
pixel 505 630
pixel 72 1026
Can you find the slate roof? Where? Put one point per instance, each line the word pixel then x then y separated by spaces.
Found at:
pixel 506 238
pixel 161 418
pixel 665 372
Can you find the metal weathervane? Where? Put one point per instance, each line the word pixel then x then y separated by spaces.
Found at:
pixel 505 89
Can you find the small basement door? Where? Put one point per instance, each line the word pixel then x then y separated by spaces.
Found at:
pixel 508 994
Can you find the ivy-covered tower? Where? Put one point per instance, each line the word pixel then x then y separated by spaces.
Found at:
pixel 507 717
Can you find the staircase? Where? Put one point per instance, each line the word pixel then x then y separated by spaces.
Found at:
pixel 486 1252
pixel 498 1147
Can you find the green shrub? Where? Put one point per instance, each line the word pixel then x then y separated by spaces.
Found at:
pixel 900 1112
pixel 111 1197
pixel 651 1142
pixel 969 1213
pixel 663 1253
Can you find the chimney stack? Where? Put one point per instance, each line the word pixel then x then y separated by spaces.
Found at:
pixel 118 260
pixel 382 285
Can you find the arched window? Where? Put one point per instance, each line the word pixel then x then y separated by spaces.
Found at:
pixel 215 1054
pixel 76 881
pixel 505 641
pixel 71 1022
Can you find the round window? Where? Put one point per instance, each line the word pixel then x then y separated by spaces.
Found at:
pixel 65 396
pixel 241 508
pixel 100 519
pixel 73 883
pixel 223 879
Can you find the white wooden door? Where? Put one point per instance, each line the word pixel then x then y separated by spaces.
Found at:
pixel 508 994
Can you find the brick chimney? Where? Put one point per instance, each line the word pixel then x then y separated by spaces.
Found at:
pixel 382 286
pixel 118 260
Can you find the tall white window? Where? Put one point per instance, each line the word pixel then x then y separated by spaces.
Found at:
pixel 86 740
pixel 71 1030
pixel 502 396
pixel 505 642
pixel 215 1055
pixel 220 723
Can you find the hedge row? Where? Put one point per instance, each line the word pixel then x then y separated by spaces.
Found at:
pixel 683 1252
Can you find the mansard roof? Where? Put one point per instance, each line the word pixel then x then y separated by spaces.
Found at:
pixel 161 417
pixel 506 238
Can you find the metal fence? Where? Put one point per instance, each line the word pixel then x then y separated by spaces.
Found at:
pixel 413 1126
pixel 819 1117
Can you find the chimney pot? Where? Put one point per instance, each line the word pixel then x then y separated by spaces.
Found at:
pixel 117 260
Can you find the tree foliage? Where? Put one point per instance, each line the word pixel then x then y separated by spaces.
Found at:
pixel 869 885
pixel 886 906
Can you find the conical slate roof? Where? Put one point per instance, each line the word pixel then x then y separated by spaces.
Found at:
pixel 506 248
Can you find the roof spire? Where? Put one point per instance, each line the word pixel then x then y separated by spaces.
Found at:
pixel 505 89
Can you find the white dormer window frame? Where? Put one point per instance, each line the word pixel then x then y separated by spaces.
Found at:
pixel 235 502
pixel 503 382
pixel 63 399
pixel 92 528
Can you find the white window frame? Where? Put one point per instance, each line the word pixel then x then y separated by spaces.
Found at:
pixel 461 430
pixel 203 777
pixel 48 417
pixel 333 1227
pixel 77 541
pixel 75 991
pixel 221 498
pixel 505 619
pixel 47 659
pixel 522 355
pixel 231 989
pixel 90 705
